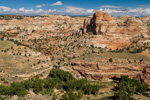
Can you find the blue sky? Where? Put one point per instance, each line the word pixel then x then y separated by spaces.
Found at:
pixel 75 7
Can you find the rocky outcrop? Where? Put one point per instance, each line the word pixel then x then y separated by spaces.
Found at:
pixel 95 71
pixel 146 75
pixel 102 23
pixel 107 17
pixel 42 24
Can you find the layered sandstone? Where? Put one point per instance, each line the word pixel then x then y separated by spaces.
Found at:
pixel 41 24
pixel 96 71
pixel 102 23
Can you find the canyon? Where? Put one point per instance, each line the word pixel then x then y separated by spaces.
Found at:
pixel 100 31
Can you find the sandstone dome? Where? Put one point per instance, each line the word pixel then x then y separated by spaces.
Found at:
pixel 98 14
pixel 102 16
pixel 107 17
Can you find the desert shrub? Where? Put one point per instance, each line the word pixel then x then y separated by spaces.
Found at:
pixel 60 74
pixel 92 46
pixel 71 85
pixel 72 96
pixel 136 50
pixel 2 79
pixel 110 60
pixel 5 82
pixel 122 95
pixel 93 51
pixel 4 97
pixel 51 83
pixel 127 87
pixel 48 92
pixel 81 83
pixel 18 88
pixel 5 90
pixel 90 89
pixel 142 87
pixel 27 84
pixel 74 84
pixel 55 66
pixel 54 97
pixel 37 85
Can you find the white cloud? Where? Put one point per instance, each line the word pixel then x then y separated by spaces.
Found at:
pixel 26 11
pixel 109 6
pixel 71 10
pixel 58 3
pixel 130 12
pixel 39 11
pixel 21 9
pixel 39 6
pixel 3 8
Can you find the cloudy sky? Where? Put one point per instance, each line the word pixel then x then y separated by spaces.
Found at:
pixel 75 7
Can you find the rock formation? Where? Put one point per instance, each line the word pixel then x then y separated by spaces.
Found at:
pixel 40 24
pixel 102 23
pixel 95 71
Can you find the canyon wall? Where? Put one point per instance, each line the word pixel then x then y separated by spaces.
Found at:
pixel 96 71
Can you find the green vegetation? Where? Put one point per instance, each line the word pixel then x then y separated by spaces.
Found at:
pixel 128 87
pixel 136 50
pixel 10 17
pixel 60 74
pixel 74 88
pixel 110 60
pixel 72 96
pixel 19 43
pixel 117 50
pixel 71 85
pixel 15 88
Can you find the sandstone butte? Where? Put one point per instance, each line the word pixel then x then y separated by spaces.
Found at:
pixel 102 23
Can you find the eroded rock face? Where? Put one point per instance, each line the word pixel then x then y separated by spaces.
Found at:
pixel 146 75
pixel 40 24
pixel 102 23
pixel 107 17
pixel 98 25
pixel 95 71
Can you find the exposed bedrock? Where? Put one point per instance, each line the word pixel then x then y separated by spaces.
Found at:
pixel 96 71
pixel 102 23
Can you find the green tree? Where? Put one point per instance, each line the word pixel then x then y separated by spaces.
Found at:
pixel 18 89
pixel 37 85
pixel 27 84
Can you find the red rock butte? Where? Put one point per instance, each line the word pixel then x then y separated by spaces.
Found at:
pixel 101 15
pixel 102 23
